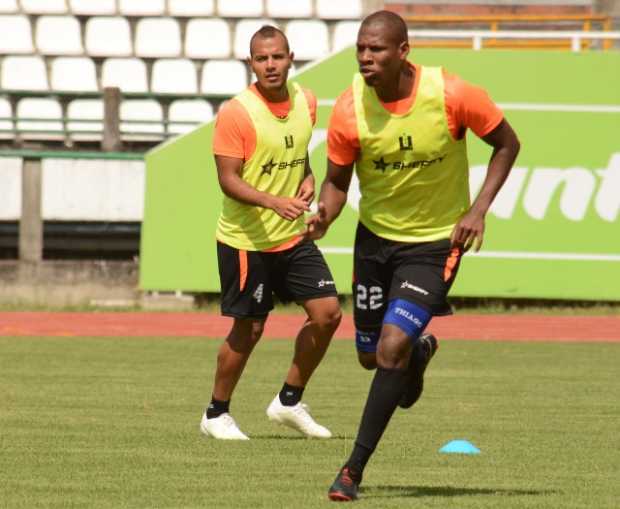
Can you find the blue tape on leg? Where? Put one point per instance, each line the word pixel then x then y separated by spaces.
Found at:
pixel 366 341
pixel 409 317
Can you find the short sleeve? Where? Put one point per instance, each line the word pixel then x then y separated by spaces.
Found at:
pixel 234 134
pixel 342 138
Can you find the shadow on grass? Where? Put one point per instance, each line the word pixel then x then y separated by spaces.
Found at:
pixel 442 491
pixel 276 436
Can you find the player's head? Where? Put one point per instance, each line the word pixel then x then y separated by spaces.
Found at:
pixel 382 47
pixel 270 57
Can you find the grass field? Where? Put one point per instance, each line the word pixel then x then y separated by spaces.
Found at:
pixel 114 423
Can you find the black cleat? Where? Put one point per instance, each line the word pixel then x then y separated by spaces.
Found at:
pixel 344 488
pixel 423 350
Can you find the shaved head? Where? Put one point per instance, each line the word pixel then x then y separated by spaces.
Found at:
pixel 393 26
pixel 268 32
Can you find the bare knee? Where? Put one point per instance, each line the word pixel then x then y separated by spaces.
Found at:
pixel 327 317
pixel 246 332
pixel 368 360
pixel 393 351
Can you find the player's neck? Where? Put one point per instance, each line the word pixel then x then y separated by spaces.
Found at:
pixel 277 95
pixel 397 89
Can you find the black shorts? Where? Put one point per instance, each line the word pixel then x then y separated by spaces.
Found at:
pixel 384 270
pixel 250 278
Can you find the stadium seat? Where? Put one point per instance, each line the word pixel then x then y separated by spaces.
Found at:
pixel 289 9
pixel 108 37
pixel 227 77
pixel 16 35
pixel 135 110
pixel 240 8
pixel 244 31
pixel 90 8
pixel 85 109
pixel 308 39
pixel 8 6
pixel 24 73
pixel 47 110
pixel 188 8
pixel 207 38
pixel 184 110
pixel 345 34
pixel 74 74
pixel 141 7
pixel 58 35
pixel 174 76
pixel 158 37
pixel 44 6
pixel 6 124
pixel 128 74
pixel 341 9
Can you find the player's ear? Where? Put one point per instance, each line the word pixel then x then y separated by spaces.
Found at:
pixel 404 50
pixel 291 56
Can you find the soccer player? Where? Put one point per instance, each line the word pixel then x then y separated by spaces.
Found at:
pixel 403 127
pixel 261 152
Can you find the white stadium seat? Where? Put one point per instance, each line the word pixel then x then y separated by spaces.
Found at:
pixel 226 77
pixel 345 34
pixel 141 7
pixel 289 9
pixel 207 38
pixel 90 8
pixel 24 73
pixel 184 110
pixel 16 35
pixel 244 31
pixel 339 9
pixel 8 6
pixel 190 8
pixel 140 110
pixel 308 39
pixel 128 74
pixel 6 113
pixel 158 37
pixel 48 110
pixel 74 74
pixel 44 6
pixel 59 35
pixel 240 8
pixel 174 76
pixel 108 36
pixel 85 109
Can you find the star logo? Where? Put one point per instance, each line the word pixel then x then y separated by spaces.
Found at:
pixel 381 164
pixel 267 167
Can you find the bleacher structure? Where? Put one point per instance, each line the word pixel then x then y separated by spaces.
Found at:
pixel 175 61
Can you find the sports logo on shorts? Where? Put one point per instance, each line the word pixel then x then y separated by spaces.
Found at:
pixel 407 284
pixel 258 293
pixel 324 282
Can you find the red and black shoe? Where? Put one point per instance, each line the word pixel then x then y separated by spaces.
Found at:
pixel 423 350
pixel 345 487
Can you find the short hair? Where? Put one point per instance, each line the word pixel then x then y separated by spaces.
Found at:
pixel 395 25
pixel 269 32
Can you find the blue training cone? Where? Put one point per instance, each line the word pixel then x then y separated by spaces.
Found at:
pixel 460 447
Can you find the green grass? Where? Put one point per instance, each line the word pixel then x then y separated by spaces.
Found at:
pixel 114 423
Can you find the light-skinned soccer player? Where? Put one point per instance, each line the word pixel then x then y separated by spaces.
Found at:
pixel 261 152
pixel 402 126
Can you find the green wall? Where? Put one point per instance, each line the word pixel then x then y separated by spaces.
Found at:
pixel 553 233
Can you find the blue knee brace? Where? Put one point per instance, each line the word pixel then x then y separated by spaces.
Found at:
pixel 366 341
pixel 407 316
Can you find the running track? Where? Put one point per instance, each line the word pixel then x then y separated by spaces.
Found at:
pixel 518 327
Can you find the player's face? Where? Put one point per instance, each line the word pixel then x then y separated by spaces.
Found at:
pixel 271 62
pixel 379 57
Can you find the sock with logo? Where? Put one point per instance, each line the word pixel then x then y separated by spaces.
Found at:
pixel 217 408
pixel 386 390
pixel 290 395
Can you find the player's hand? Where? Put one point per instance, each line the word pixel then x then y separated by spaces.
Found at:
pixel 317 224
pixel 306 189
pixel 289 208
pixel 468 232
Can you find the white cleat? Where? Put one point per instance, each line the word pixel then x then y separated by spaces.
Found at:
pixel 223 427
pixel 296 417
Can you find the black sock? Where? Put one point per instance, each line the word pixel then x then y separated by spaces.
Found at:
pixel 386 390
pixel 217 408
pixel 290 395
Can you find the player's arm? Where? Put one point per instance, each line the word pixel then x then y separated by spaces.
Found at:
pixel 233 186
pixel 306 188
pixel 332 198
pixel 470 229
